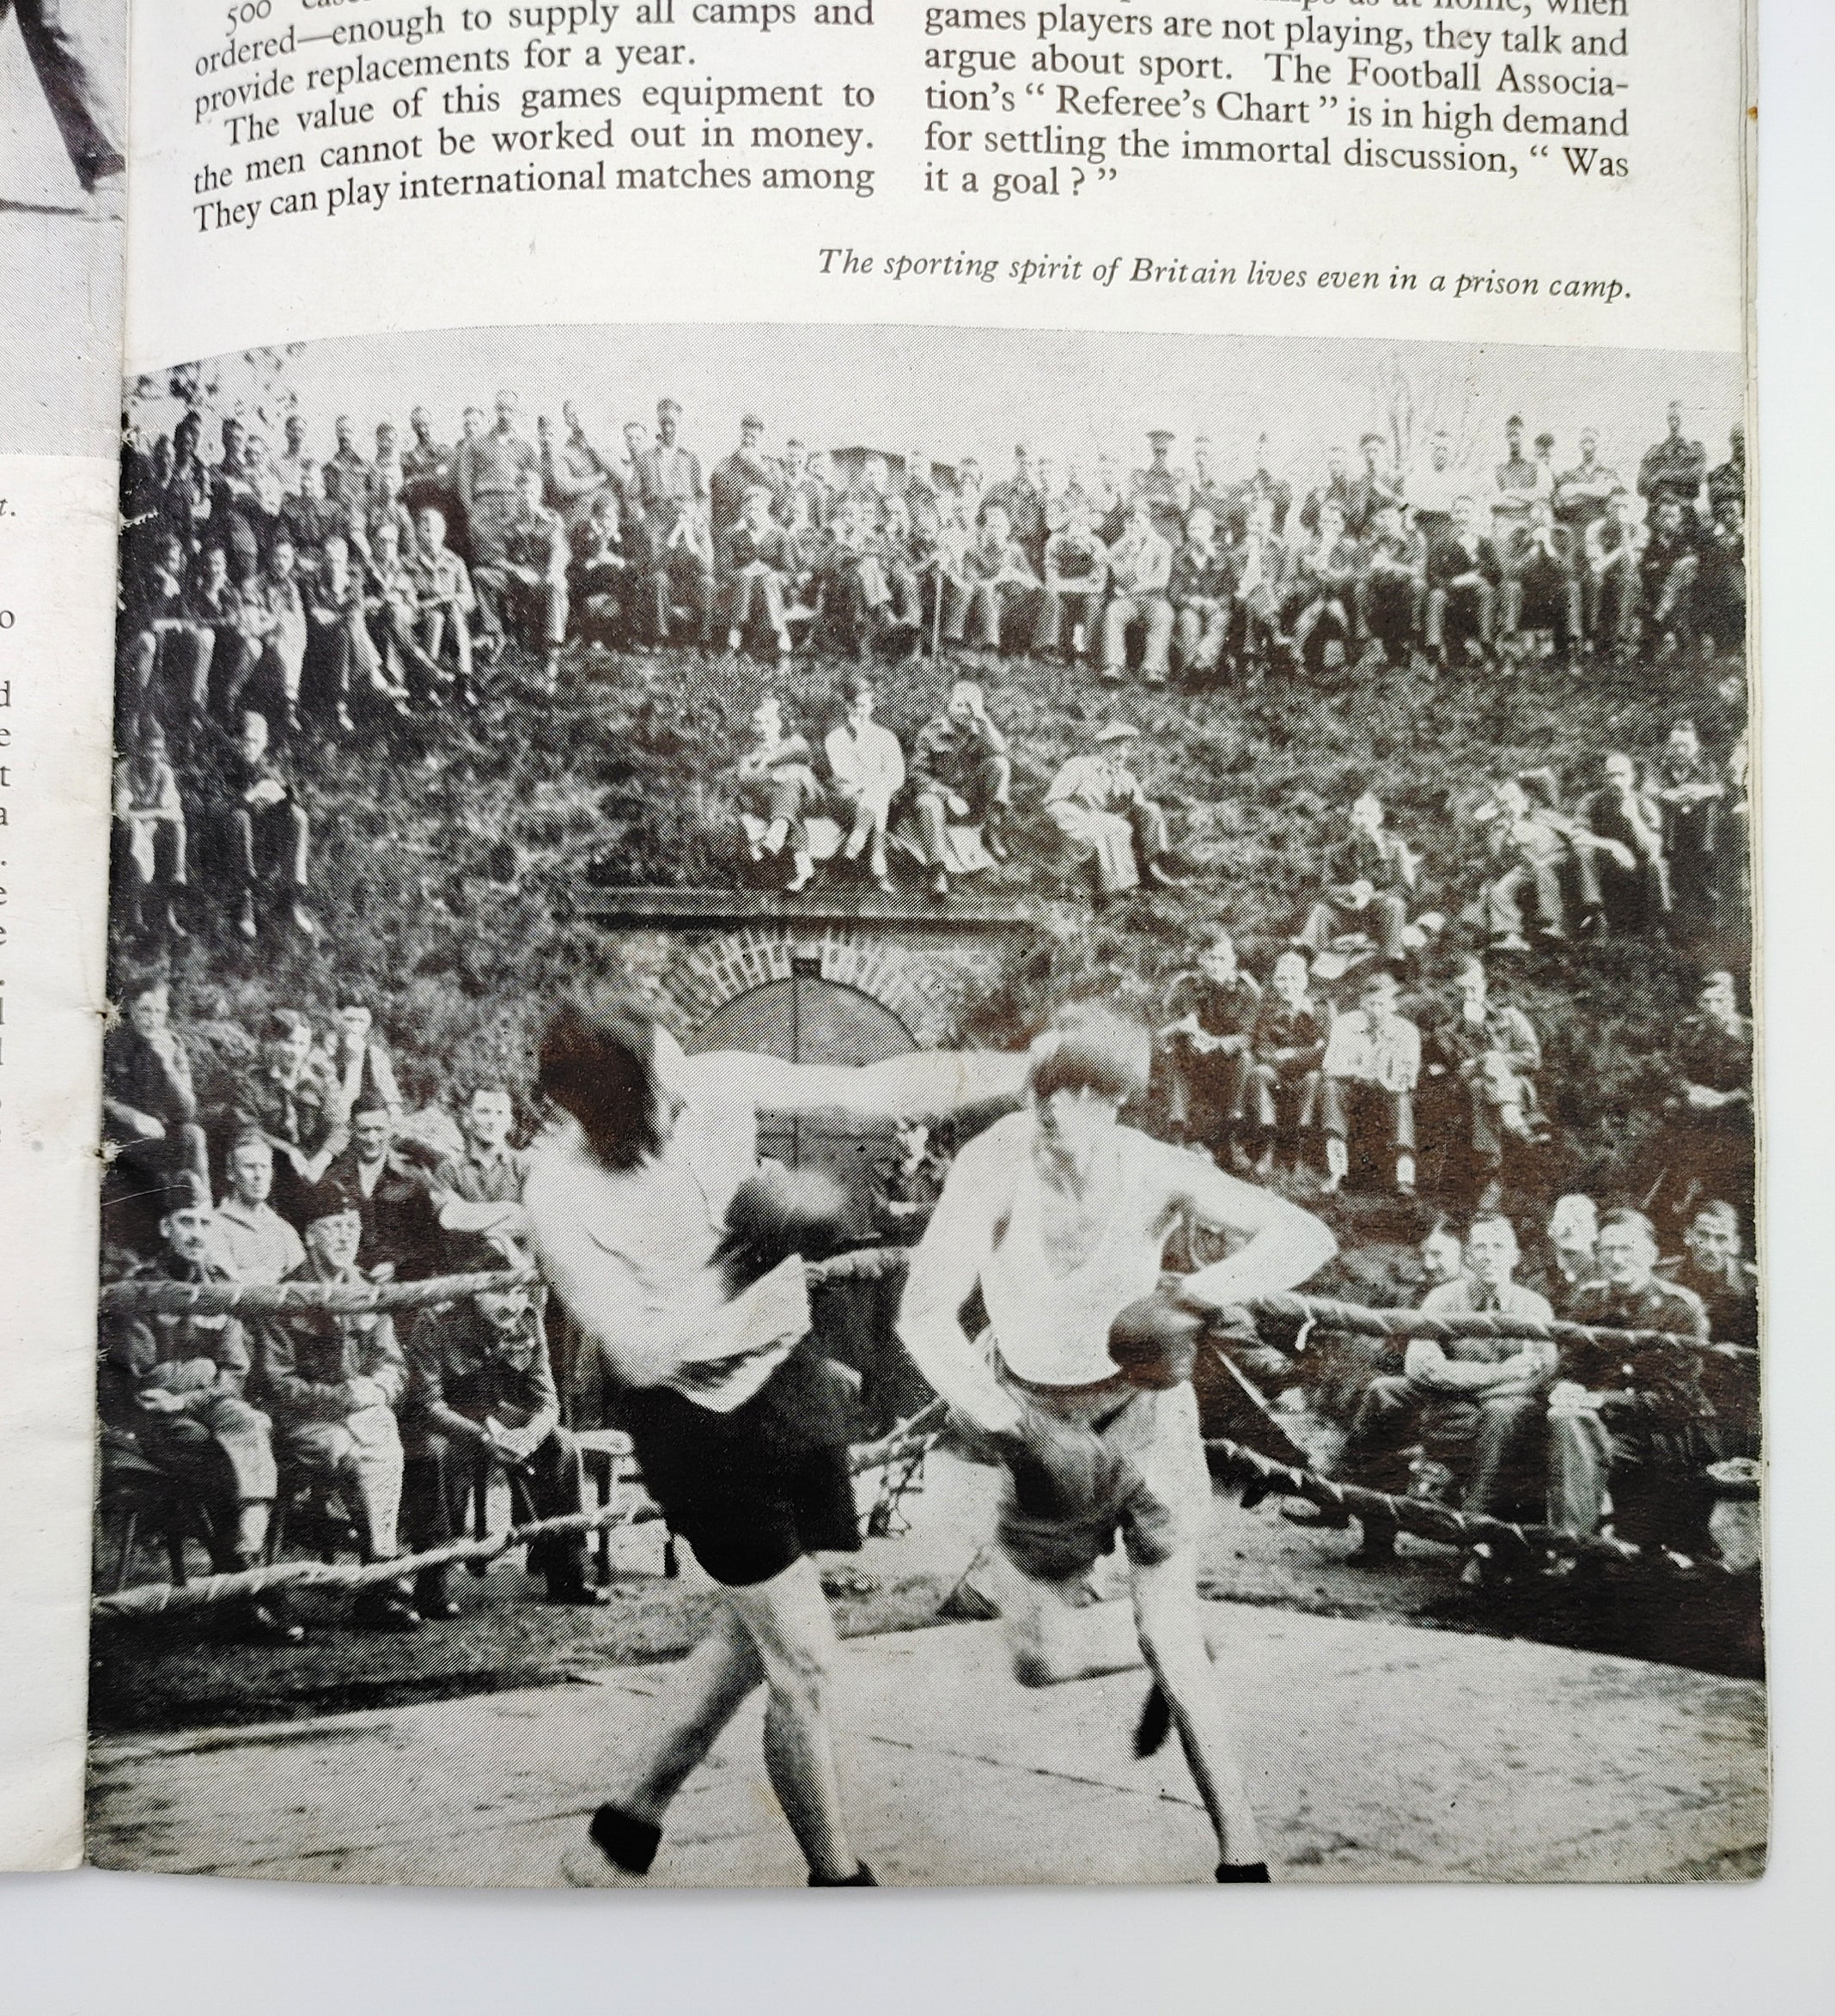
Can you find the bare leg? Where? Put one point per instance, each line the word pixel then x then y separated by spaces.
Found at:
pixel 704 1693
pixel 794 1635
pixel 1173 1638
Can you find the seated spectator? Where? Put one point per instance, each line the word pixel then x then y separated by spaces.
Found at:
pixel 1710 1267
pixel 1542 589
pixel 1075 580
pixel 393 1194
pixel 777 788
pixel 176 1384
pixel 147 834
pixel 214 606
pixel 1631 1419
pixel 523 593
pixel 1463 577
pixel 165 649
pixel 1322 592
pixel 246 1238
pixel 291 1099
pixel 866 771
pixel 1372 1065
pixel 332 1384
pixel 1108 821
pixel 1533 848
pixel 1706 1149
pixel 359 1060
pixel 1393 585
pixel 758 563
pixel 481 1384
pixel 999 588
pixel 1612 584
pixel 1280 1079
pixel 1490 1051
pixel 960 772
pixel 150 1111
pixel 1670 565
pixel 1140 572
pixel 602 570
pixel 1262 563
pixel 265 836
pixel 1210 1047
pixel 1633 894
pixel 343 660
pixel 1369 877
pixel 1474 1406
pixel 1689 792
pixel 1573 1238
pixel 478 1194
pixel 447 605
pixel 1201 588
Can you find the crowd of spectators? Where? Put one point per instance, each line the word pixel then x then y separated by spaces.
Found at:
pixel 275 605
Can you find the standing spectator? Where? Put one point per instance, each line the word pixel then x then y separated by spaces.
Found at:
pixel 1690 791
pixel 488 472
pixel 866 770
pixel 1573 1240
pixel 482 1385
pixel 672 497
pixel 1674 468
pixel 1375 488
pixel 1162 490
pixel 332 1384
pixel 1369 881
pixel 1710 1267
pixel 959 772
pixel 478 1193
pixel 1109 822
pixel 427 464
pixel 1140 572
pixel 1583 493
pixel 1280 1083
pixel 575 472
pixel 1023 502
pixel 265 834
pixel 1433 489
pixel 248 1239
pixel 360 1062
pixel 402 1239
pixel 1372 1065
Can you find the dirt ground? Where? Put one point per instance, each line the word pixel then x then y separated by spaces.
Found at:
pixel 171 1675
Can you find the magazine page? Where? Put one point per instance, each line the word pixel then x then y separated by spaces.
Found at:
pixel 63 144
pixel 1085 669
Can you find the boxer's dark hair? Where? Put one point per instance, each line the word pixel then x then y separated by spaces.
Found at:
pixel 598 1062
pixel 1093 1050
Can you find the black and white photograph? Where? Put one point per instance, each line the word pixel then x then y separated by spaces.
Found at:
pixel 63 192
pixel 904 1105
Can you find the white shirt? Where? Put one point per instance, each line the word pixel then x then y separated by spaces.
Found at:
pixel 869 759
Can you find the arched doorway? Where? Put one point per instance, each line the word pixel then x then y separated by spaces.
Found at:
pixel 807 1020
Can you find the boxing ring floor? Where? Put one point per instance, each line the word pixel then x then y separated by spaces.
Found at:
pixel 1375 1753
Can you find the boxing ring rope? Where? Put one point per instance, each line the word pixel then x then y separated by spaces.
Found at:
pixel 908 1442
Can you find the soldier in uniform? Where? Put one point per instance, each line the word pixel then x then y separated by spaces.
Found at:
pixel 1166 491
pixel 1632 1419
pixel 174 1384
pixel 1675 467
pixel 524 592
pixel 332 1384
pixel 1210 1047
pixel 960 769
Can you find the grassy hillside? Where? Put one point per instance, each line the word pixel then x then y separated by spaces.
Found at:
pixel 448 855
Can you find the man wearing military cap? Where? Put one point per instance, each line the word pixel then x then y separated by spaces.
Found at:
pixel 172 1384
pixel 333 1383
pixel 1164 490
pixel 746 469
